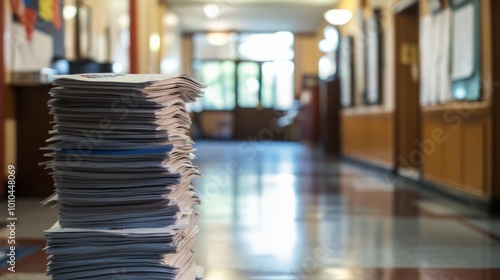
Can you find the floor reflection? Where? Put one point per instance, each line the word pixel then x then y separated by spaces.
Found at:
pixel 282 211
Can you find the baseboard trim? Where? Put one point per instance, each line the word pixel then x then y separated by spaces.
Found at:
pixel 367 164
pixel 487 205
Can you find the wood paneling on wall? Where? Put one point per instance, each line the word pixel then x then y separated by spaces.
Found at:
pixel 495 61
pixel 460 141
pixel 459 157
pixel 368 137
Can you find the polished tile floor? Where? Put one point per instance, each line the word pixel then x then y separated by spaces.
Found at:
pixel 281 211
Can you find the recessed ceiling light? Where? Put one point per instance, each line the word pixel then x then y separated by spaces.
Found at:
pixel 212 11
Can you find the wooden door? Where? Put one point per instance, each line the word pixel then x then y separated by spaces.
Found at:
pixel 407 91
pixel 254 116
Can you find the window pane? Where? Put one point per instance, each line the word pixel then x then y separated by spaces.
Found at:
pixel 268 85
pixel 284 84
pixel 267 54
pixel 248 84
pixel 229 70
pixel 219 78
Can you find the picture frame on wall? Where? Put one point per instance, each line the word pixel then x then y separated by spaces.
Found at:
pixel 346 73
pixel 373 58
pixel 359 58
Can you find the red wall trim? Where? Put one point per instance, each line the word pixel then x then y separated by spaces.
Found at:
pixel 133 50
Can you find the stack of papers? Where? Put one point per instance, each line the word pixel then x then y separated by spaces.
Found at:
pixel 121 163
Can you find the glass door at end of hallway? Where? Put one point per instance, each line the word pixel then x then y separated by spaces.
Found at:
pixel 264 91
pixel 255 92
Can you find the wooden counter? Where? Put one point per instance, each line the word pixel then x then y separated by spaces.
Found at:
pixel 32 120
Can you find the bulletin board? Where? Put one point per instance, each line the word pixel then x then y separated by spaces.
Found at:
pixel 41 15
pixel 465 49
pixel 346 73
pixel 37 34
pixel 373 59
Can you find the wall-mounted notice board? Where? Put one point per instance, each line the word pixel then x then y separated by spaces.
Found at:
pixel 465 50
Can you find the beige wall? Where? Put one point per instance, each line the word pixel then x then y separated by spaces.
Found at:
pixel 7 38
pixel 306 58
pixel 152 21
pixel 171 46
pixel 186 53
pixel 99 25
pixel 148 18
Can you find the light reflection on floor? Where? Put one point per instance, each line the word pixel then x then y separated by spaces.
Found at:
pixel 286 212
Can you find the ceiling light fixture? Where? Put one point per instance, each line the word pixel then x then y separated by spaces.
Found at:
pixel 212 11
pixel 338 16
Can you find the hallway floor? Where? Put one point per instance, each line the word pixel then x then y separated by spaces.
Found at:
pixel 280 211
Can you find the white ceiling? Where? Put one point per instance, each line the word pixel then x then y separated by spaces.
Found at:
pixel 252 15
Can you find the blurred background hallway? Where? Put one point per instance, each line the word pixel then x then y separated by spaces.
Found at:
pixel 338 139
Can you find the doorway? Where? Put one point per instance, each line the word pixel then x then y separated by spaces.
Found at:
pixel 249 82
pixel 407 88
pixel 258 84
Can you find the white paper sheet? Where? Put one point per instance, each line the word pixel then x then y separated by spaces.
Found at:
pixel 462 65
pixel 435 83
